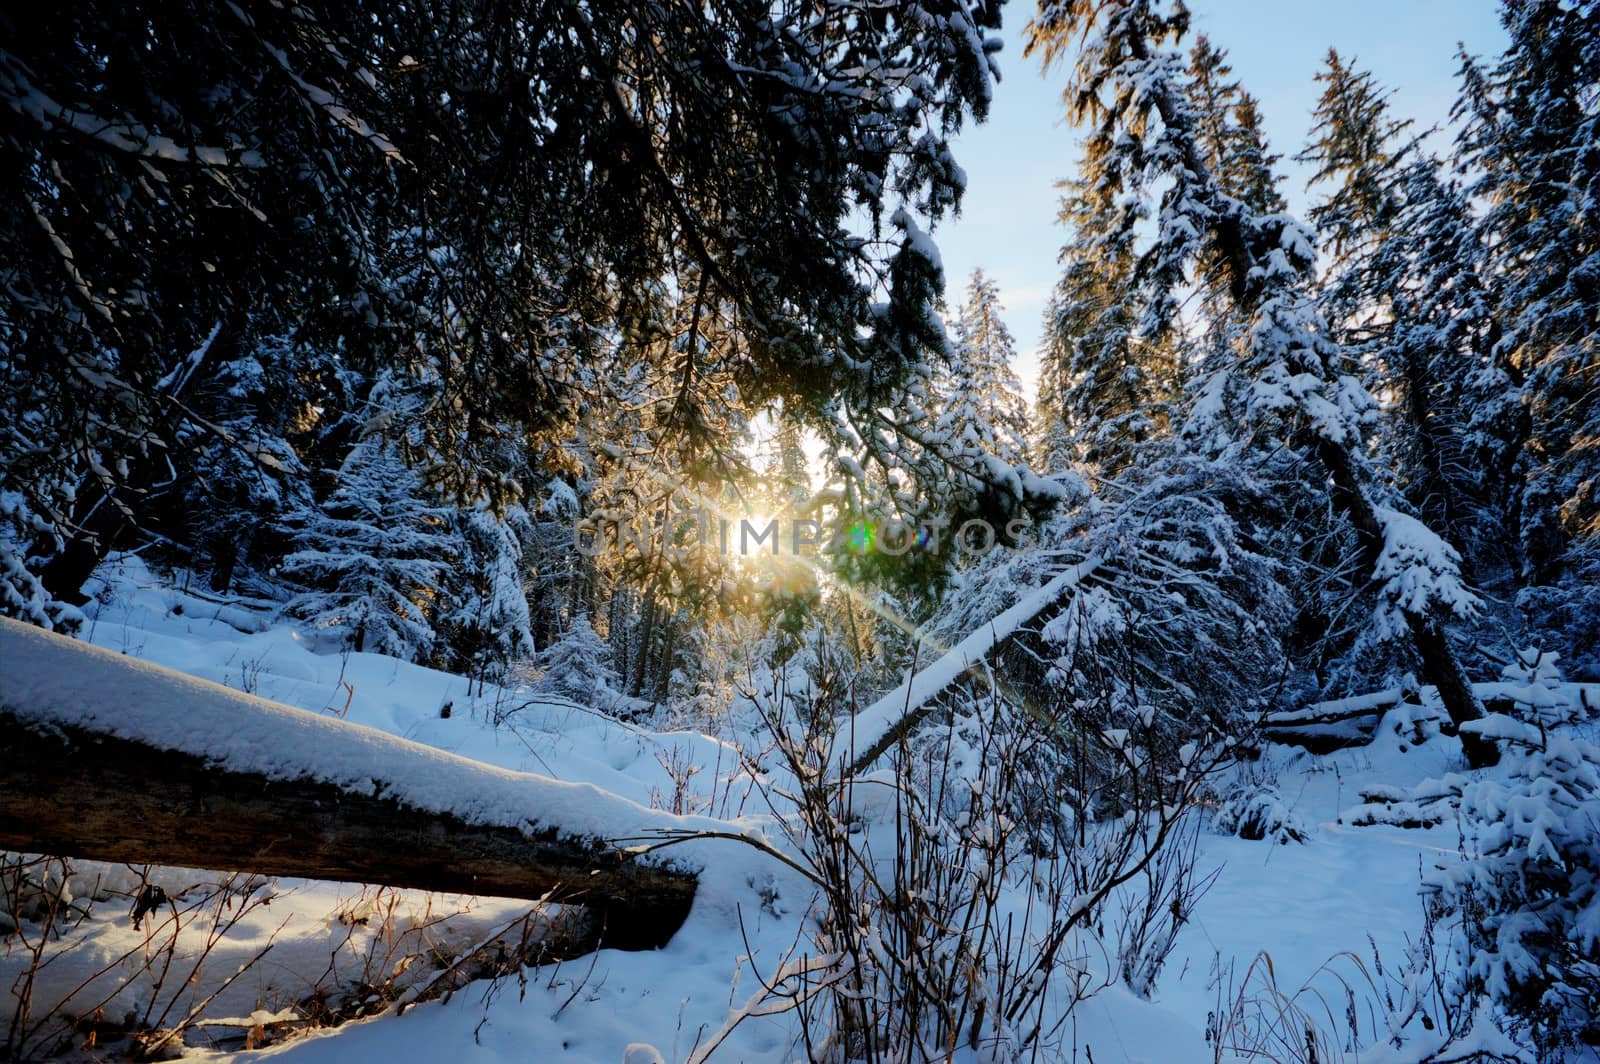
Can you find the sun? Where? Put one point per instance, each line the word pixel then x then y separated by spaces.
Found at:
pixel 755 536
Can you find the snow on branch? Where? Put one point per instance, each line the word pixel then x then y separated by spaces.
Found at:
pixel 876 728
pixel 1420 572
pixel 26 99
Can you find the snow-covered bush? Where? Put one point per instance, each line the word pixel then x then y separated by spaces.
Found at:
pixel 577 666
pixel 1533 683
pixel 22 595
pixel 1156 906
pixel 1529 894
pixel 1258 811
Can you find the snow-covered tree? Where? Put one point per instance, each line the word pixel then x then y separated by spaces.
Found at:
pixel 1288 383
pixel 1106 386
pixel 248 475
pixel 1531 129
pixel 34 491
pixel 495 197
pixel 485 621
pixel 1528 895
pixel 22 594
pixel 371 563
pixel 1228 130
pixel 982 408
pixel 577 665
pixel 1403 294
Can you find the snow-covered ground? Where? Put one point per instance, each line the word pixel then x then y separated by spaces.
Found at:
pixel 1345 889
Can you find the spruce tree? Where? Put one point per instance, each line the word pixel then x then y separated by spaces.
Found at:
pixel 248 474
pixel 1228 130
pixel 1403 293
pixel 982 404
pixel 1532 129
pixel 578 665
pixel 371 563
pixel 1106 386
pixel 1287 375
pixel 485 621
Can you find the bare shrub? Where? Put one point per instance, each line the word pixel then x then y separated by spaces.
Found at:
pixel 1347 1007
pixel 405 959
pixel 1157 906
pixel 168 1000
pixel 152 997
pixel 945 917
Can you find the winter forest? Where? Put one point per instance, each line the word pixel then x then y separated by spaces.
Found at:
pixel 514 547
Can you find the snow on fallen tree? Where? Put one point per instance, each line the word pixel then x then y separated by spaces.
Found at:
pixel 110 758
pixel 878 727
pixel 1323 727
pixel 1340 722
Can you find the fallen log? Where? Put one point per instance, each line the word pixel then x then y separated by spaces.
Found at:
pixel 109 758
pixel 1323 727
pixel 1337 710
pixel 1323 738
pixel 872 731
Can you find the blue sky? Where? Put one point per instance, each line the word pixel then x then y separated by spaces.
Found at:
pixel 1013 161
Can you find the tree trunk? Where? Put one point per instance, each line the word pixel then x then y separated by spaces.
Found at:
pixel 645 645
pixel 100 527
pixel 1439 664
pixel 98 785
pixel 1441 668
pixel 224 563
pixel 105 518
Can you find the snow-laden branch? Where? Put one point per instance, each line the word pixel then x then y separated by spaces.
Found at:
pixel 1420 572
pixel 881 725
pixel 126 136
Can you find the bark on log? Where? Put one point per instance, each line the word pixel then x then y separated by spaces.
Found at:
pixel 1324 739
pixel 88 791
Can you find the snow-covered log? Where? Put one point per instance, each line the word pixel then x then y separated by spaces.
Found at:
pixel 882 724
pixel 110 758
pixel 1339 709
pixel 1323 727
pixel 1332 725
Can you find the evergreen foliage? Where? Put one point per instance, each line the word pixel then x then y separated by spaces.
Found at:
pixel 1531 129
pixel 371 563
pixel 495 196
